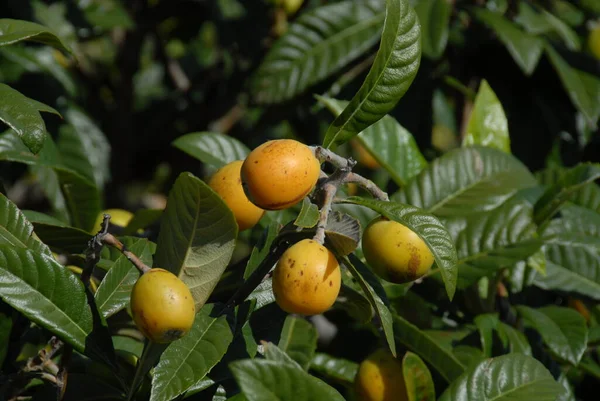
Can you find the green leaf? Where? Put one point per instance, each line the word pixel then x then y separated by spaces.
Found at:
pixel 106 14
pixel 532 21
pixel 115 289
pixel 308 216
pixel 574 86
pixel 579 279
pixel 334 368
pixel 487 124
pixel 394 148
pixel 568 35
pixel 212 148
pixel 517 342
pixel 391 74
pixel 487 242
pixel 524 48
pixel 356 305
pixel 563 330
pixel 588 196
pixel 142 219
pixel 273 353
pixel 6 324
pixel 428 348
pixel 22 114
pixel 59 236
pixel 486 324
pixel 434 16
pixel 15 230
pixel 320 42
pixel 374 292
pixel 262 380
pixel 189 359
pixel 299 340
pixel 82 196
pixel 261 249
pixel 48 180
pixel 427 227
pixel 567 393
pixel 46 293
pixel 84 148
pixel 13 31
pixel 197 236
pixel 566 186
pixel 465 181
pixel 508 377
pixel 417 378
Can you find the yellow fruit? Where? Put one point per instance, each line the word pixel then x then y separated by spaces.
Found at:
pixel 307 279
pixel 594 41
pixel 162 306
pixel 280 173
pixel 363 156
pixel 394 252
pixel 442 138
pixel 118 217
pixel 227 182
pixel 291 6
pixel 380 378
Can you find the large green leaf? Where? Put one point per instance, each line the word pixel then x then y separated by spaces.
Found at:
pixel 516 341
pixel 578 278
pixel 47 293
pixel 391 74
pixel 524 48
pixel 212 148
pixel 428 227
pixel 512 377
pixel 22 114
pixel 487 242
pixel 394 148
pixel 84 147
pixel 434 16
pixel 569 183
pixel 563 330
pixel 417 378
pixel 197 236
pixel 82 196
pixel 428 348
pixel 487 124
pixel 262 380
pixel 13 31
pixel 15 230
pixel 375 294
pixel 568 35
pixel 588 196
pixel 317 44
pixel 62 237
pixel 465 181
pixel 299 340
pixel 574 85
pixel 115 289
pixel 334 368
pixel 187 360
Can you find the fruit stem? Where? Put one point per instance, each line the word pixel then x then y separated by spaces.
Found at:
pixel 367 184
pixel 328 188
pixel 111 240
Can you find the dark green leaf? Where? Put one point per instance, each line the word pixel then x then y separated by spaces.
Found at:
pixel 142 219
pixel 417 378
pixel 342 233
pixel 334 368
pixel 394 148
pixel 532 21
pixel 568 35
pixel 426 226
pixel 574 86
pixel 308 216
pixel 428 348
pixel 465 181
pixel 486 325
pixel 568 184
pixel 115 289
pixel 84 148
pixel 106 14
pixel 524 48
pixel 66 239
pixel 47 293
pixel 82 196
pixel 391 74
pixel 588 196
pixel 22 114
pixel 262 249
pixel 374 292
pixel 274 353
pixel 13 31
pixel 197 236
pixel 299 340
pixel 15 230
pixel 354 304
pixel 487 124
pixel 6 324
pixel 212 148
pixel 188 360
pixel 434 16
pixel 319 43
pixel 508 377
pixel 517 342
pixel 262 380
pixel 563 330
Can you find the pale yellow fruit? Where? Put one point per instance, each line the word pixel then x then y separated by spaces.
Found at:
pixel 162 306
pixel 307 279
pixel 395 252
pixel 118 217
pixel 380 378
